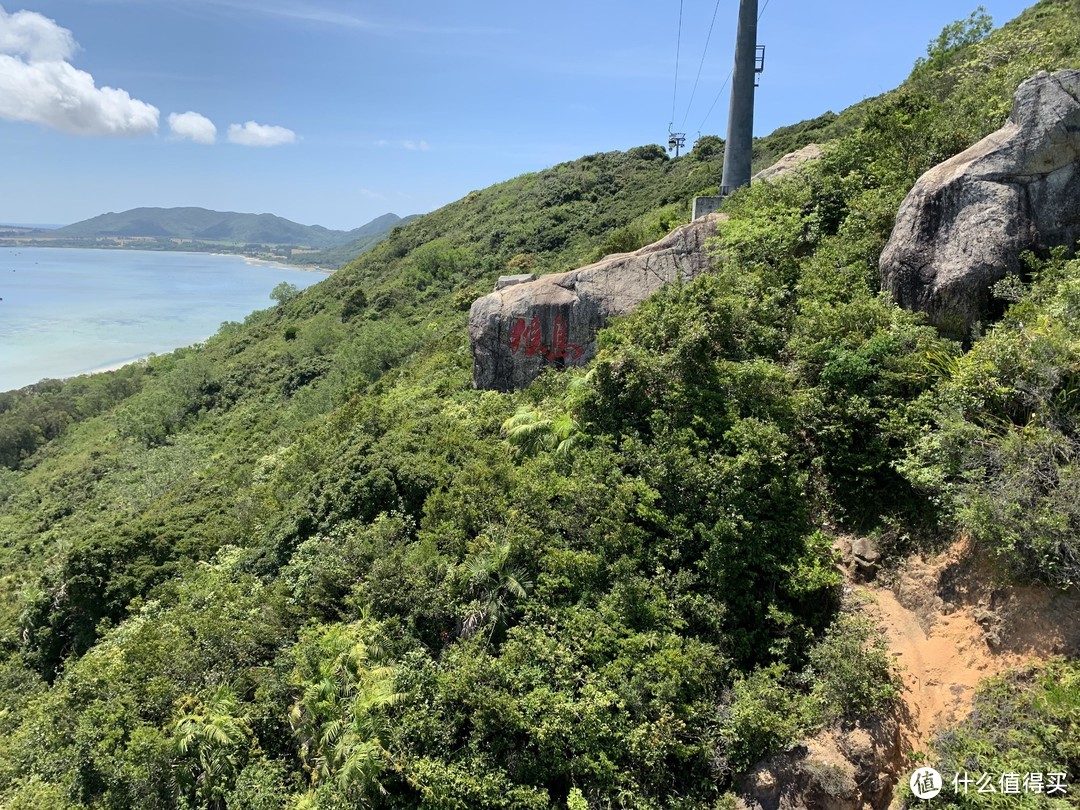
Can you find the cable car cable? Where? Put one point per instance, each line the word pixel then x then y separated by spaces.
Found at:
pixel 704 53
pixel 728 79
pixel 678 51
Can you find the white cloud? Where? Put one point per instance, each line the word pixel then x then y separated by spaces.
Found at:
pixel 193 127
pixel 37 84
pixel 34 36
pixel 59 96
pixel 413 146
pixel 252 134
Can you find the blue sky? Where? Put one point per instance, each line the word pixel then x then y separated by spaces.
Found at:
pixel 334 112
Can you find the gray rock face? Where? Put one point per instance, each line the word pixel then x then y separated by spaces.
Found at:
pixel 520 329
pixel 510 281
pixel 866 557
pixel 966 222
pixel 790 162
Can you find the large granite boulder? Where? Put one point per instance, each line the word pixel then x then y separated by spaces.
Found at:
pixel 526 325
pixel 966 222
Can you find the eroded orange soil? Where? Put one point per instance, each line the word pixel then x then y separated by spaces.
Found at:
pixel 950 624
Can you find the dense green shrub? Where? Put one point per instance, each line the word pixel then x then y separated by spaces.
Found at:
pixel 854 674
pixel 1000 451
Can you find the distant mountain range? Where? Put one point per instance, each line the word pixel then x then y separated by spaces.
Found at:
pixel 263 235
pixel 219 226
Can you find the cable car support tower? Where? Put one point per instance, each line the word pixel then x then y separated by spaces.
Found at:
pixel 738 149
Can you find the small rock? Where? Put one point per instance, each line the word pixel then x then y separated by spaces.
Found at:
pixel 510 281
pixel 866 550
pixel 866 558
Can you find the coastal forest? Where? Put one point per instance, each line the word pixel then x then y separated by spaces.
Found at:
pixel 306 565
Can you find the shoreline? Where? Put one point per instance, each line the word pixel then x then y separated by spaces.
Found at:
pixel 102 369
pixel 114 365
pixel 307 268
pixel 66 314
pixel 303 268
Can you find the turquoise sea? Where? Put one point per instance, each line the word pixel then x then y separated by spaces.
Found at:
pixel 67 311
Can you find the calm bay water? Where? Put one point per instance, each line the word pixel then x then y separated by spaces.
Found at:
pixel 67 311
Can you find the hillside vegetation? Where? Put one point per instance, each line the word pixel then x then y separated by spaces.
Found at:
pixel 306 565
pixel 361 240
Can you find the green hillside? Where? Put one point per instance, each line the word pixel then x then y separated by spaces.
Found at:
pixel 377 226
pixel 306 565
pixel 204 225
pixel 362 239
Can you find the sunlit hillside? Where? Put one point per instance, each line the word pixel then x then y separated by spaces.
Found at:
pixel 307 565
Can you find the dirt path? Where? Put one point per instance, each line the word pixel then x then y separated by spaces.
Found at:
pixel 950 625
pixel 942 667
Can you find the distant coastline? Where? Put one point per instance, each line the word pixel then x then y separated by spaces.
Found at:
pixel 263 237
pixel 252 260
pixel 310 268
pixel 157 246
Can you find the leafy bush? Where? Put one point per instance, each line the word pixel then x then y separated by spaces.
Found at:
pixel 706 146
pixel 284 292
pixel 953 40
pixel 854 675
pixel 760 717
pixel 1001 448
pixel 1021 723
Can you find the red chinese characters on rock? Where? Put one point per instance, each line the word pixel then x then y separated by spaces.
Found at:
pixel 526 337
pixel 560 344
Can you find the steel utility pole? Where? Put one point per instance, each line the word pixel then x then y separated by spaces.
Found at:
pixel 740 139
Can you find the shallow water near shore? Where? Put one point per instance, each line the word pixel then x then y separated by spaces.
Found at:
pixel 69 311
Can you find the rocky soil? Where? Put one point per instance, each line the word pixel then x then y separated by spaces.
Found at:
pixel 950 621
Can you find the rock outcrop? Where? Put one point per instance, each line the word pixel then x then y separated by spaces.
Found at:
pixel 789 163
pixel 842 768
pixel 967 221
pixel 525 326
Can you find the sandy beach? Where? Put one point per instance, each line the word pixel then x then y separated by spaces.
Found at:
pixel 307 268
pixel 114 366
